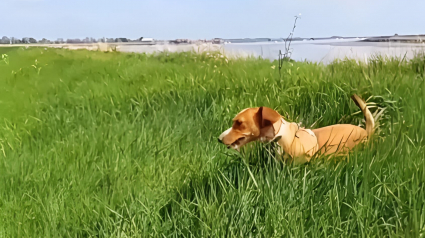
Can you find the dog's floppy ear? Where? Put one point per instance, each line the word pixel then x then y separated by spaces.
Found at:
pixel 267 117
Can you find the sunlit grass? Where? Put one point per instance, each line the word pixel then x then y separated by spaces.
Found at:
pixel 114 144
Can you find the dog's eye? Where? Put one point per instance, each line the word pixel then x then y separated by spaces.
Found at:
pixel 237 123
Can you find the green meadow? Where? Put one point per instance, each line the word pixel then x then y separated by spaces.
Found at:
pixel 109 144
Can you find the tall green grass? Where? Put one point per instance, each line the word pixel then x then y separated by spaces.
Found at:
pixel 124 145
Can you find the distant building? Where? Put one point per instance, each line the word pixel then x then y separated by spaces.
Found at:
pixel 121 40
pixel 217 41
pixel 180 41
pixel 147 41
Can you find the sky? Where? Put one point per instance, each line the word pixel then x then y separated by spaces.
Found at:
pixel 207 19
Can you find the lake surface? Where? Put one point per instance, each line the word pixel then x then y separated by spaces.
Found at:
pixel 324 51
pixel 327 50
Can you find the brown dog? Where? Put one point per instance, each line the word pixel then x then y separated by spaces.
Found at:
pixel 299 144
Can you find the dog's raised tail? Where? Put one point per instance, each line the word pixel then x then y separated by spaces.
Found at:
pixel 370 122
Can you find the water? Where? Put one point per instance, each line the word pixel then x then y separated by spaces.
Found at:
pixel 326 51
pixel 323 51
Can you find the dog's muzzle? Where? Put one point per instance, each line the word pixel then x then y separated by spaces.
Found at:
pixel 235 144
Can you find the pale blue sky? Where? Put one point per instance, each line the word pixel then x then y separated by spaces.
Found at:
pixel 199 19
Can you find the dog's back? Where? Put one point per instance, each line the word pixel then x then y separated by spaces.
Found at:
pixel 343 137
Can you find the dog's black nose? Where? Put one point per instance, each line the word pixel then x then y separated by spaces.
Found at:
pixel 220 141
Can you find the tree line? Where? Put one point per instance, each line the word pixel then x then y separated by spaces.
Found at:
pixel 31 40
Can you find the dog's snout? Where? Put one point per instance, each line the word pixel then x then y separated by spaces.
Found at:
pixel 221 137
pixel 220 140
pixel 228 138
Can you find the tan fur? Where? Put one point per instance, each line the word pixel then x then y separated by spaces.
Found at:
pixel 299 144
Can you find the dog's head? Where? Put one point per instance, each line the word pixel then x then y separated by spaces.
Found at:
pixel 251 124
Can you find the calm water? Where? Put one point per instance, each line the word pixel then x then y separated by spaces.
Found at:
pixel 327 50
pixel 324 51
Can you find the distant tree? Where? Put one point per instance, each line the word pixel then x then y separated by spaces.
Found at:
pixel 5 40
pixel 29 40
pixel 44 41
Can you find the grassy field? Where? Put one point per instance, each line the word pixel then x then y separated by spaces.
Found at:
pixel 96 144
